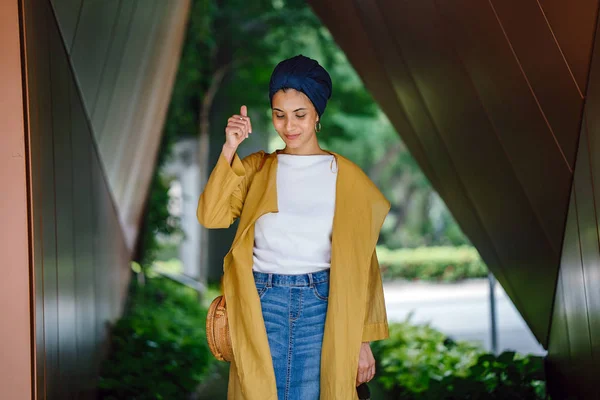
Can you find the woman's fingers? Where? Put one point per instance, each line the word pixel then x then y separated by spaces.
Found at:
pixel 238 127
pixel 365 373
pixel 242 119
pixel 371 373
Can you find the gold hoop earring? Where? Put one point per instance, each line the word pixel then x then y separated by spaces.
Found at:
pixel 318 127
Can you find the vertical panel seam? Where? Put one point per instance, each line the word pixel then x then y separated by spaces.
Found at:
pixel 119 66
pixel 587 316
pixel 51 136
pixel 562 292
pixel 110 44
pixel 76 28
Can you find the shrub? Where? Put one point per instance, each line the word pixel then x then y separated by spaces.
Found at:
pixel 418 362
pixel 446 264
pixel 158 348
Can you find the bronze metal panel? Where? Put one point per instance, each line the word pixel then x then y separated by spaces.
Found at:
pixel 476 153
pixel 67 13
pixel 81 140
pixel 587 290
pixel 573 27
pixel 574 285
pixel 96 27
pixel 591 262
pixel 559 352
pixel 512 110
pixel 60 79
pixel 580 268
pixel 576 369
pixel 401 102
pixel 114 58
pixel 542 62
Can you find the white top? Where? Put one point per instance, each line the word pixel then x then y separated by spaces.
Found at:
pixel 297 239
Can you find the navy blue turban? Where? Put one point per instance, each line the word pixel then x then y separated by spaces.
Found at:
pixel 305 75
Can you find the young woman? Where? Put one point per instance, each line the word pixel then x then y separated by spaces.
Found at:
pixel 302 281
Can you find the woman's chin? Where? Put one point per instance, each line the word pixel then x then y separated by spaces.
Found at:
pixel 293 143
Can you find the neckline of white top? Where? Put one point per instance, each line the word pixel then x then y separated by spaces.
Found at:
pixel 303 160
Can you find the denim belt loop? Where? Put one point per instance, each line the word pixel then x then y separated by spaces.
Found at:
pixel 270 280
pixel 310 279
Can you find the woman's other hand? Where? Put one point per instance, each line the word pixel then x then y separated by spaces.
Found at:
pixel 366 364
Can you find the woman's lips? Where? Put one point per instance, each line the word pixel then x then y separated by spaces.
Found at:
pixel 292 137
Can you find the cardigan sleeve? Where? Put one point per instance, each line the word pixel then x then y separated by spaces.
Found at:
pixel 223 197
pixel 375 324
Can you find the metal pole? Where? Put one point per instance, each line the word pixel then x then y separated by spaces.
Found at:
pixel 494 328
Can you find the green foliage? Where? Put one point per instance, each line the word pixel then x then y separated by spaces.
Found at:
pixel 158 348
pixel 415 355
pixel 157 219
pixel 507 376
pixel 446 264
pixel 418 362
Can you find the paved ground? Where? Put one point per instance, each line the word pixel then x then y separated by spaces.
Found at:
pixel 462 311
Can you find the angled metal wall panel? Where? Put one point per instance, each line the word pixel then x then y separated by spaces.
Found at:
pixel 574 348
pixel 513 112
pixel 93 39
pixel 124 54
pixel 473 103
pixel 401 102
pixel 548 75
pixel 114 59
pixel 493 100
pixel 573 28
pixel 67 13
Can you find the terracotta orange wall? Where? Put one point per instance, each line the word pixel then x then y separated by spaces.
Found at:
pixel 15 329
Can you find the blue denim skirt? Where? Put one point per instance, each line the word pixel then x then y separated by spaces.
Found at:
pixel 294 309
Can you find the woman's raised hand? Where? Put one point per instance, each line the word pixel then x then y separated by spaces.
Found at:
pixel 238 128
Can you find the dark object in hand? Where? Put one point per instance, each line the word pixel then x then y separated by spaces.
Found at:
pixel 363 392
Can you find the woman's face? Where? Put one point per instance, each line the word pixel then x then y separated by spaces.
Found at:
pixel 294 119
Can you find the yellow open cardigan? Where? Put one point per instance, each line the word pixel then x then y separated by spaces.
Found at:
pixel 246 189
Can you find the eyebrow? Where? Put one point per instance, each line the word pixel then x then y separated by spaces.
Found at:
pixel 298 109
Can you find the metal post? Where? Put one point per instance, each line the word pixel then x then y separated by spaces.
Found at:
pixel 494 328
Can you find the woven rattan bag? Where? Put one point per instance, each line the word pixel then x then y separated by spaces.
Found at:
pixel 217 330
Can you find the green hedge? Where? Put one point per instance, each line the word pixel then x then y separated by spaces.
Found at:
pixel 418 362
pixel 158 348
pixel 446 264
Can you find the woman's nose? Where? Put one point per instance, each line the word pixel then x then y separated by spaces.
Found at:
pixel 289 124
